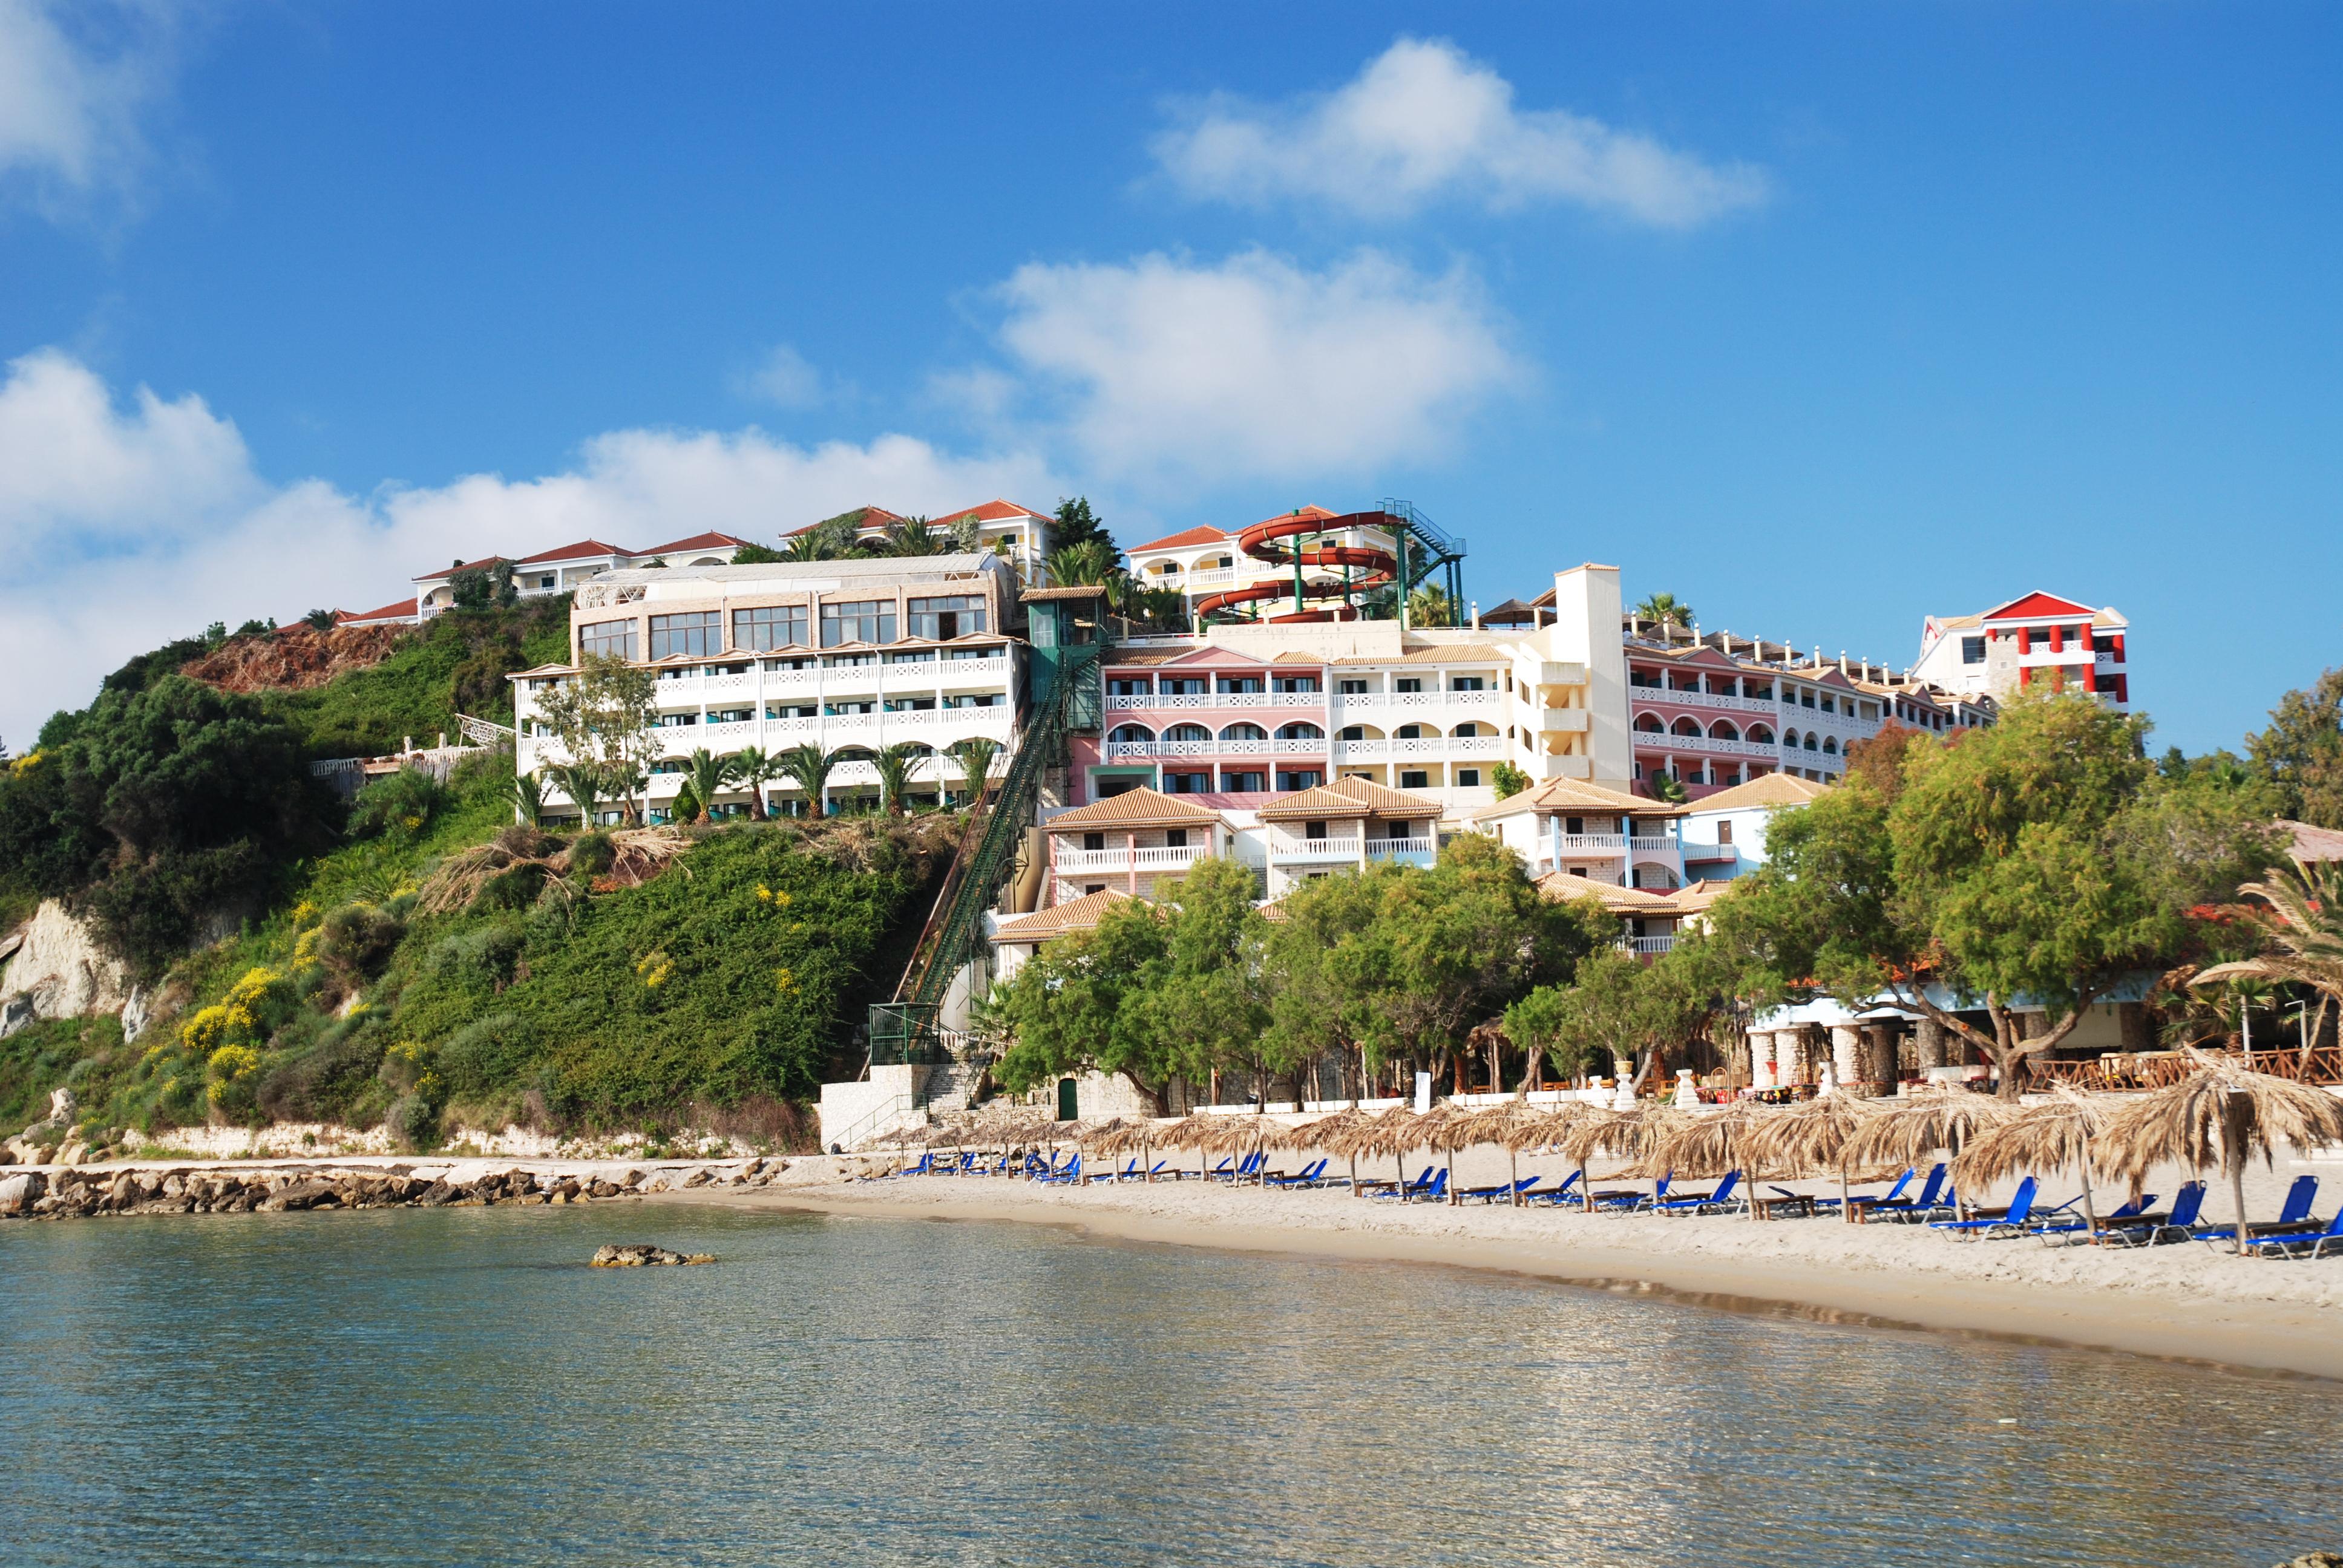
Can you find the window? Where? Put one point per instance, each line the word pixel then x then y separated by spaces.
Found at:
pixel 1244 732
pixel 1574 825
pixel 1245 783
pixel 781 664
pixel 1110 788
pixel 730 716
pixel 911 705
pixel 1175 838
pixel 1130 686
pixel 917 655
pixel 1762 690
pixel 1468 777
pixel 1187 732
pixel 1972 650
pixel 1408 683
pixel 1408 732
pixel 1094 840
pixel 791 710
pixel 975 699
pixel 1466 683
pixel 1183 686
pixel 857 620
pixel 1807 698
pixel 1188 783
pixel 1352 688
pixel 1810 740
pixel 1240 685
pixel 697 633
pixel 1301 730
pixel 674 720
pixel 847 660
pixel 835 708
pixel 973 652
pixel 669 765
pixel 1131 735
pixel 1355 732
pixel 1830 745
pixel 610 638
pixel 778 625
pixel 1293 683
pixel 1300 778
pixel 1827 707
pixel 1414 778
pixel 942 619
pixel 1313 831
pixel 1725 832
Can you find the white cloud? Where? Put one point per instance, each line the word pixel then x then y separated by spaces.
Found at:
pixel 1425 122
pixel 70 96
pixel 787 379
pixel 126 527
pixel 1254 367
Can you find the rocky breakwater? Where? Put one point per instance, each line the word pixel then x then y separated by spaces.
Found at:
pixel 83 1192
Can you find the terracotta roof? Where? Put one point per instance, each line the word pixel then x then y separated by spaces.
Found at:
pixel 583 549
pixel 1348 798
pixel 1695 898
pixel 1771 789
pixel 1619 900
pixel 873 517
pixel 2312 843
pixel 402 610
pixel 1310 511
pixel 1074 915
pixel 1574 795
pixel 483 564
pixel 1076 590
pixel 1201 535
pixel 992 511
pixel 1141 807
pixel 1443 653
pixel 707 541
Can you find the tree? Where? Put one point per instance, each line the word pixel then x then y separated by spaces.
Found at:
pixel 318 620
pixel 754 555
pixel 1076 524
pixel 2302 751
pixel 527 796
pixel 808 766
pixel 894 765
pixel 1073 1007
pixel 582 782
pixel 705 774
pixel 1507 781
pixel 1328 967
pixel 974 754
pixel 830 540
pixel 605 716
pixel 2039 862
pixel 1207 1005
pixel 754 768
pixel 1091 561
pixel 1666 609
pixel 484 588
pixel 908 537
pixel 1430 606
pixel 963 536
pixel 1665 786
pixel 1601 1019
pixel 1879 758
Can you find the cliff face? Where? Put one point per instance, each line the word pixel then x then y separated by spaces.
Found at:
pixel 61 971
pixel 294 658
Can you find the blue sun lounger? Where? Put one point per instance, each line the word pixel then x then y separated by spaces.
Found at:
pixel 1557 1194
pixel 2291 1215
pixel 2012 1220
pixel 2147 1230
pixel 1627 1201
pixel 1397 1189
pixel 1306 1177
pixel 1498 1192
pixel 2305 1244
pixel 2068 1232
pixel 1715 1202
pixel 1070 1174
pixel 1894 1194
pixel 1904 1210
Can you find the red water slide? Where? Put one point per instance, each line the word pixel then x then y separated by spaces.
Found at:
pixel 1261 542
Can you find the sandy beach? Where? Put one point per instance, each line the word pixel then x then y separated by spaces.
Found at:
pixel 2186 1300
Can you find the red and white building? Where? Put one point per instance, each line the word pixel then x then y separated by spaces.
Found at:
pixel 2038 641
pixel 562 569
pixel 1003 528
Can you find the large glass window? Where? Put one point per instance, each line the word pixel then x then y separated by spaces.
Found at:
pixel 699 634
pixel 942 619
pixel 609 638
pixel 776 626
pixel 859 621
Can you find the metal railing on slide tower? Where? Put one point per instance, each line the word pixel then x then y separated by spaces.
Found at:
pixel 1424 548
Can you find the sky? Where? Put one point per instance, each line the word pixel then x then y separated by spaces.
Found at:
pixel 1821 318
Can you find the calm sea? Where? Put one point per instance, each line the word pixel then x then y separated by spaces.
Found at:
pixel 456 1387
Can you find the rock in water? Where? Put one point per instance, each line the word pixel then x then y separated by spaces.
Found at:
pixel 641 1254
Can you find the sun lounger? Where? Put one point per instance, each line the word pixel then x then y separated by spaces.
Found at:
pixel 1068 1176
pixel 2067 1232
pixel 2147 1230
pixel 1306 1177
pixel 1625 1200
pixel 1381 1189
pixel 1434 1192
pixel 2292 1216
pixel 1904 1210
pixel 2011 1221
pixel 1555 1195
pixel 1502 1192
pixel 2301 1243
pixel 1893 1193
pixel 1714 1202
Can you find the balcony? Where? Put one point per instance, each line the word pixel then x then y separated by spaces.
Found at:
pixel 1425 748
pixel 1561 720
pixel 1150 750
pixel 1646 947
pixel 1123 859
pixel 1710 699
pixel 1589 843
pixel 1368 705
pixel 1415 851
pixel 1708 745
pixel 1189 702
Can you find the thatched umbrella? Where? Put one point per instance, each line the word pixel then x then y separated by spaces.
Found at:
pixel 1392 1132
pixel 1813 1136
pixel 2220 1112
pixel 1195 1130
pixel 1242 1136
pixel 1623 1134
pixel 1914 1128
pixel 1444 1129
pixel 1498 1124
pixel 1708 1147
pixel 2054 1132
pixel 1337 1135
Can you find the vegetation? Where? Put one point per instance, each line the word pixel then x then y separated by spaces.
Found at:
pixel 1666 609
pixel 2301 752
pixel 455 664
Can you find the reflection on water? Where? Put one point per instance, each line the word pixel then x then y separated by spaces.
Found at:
pixel 451 1387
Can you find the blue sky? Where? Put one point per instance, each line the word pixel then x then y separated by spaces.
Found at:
pixel 1820 317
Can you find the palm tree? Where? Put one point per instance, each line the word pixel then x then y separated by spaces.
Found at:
pixel 894 764
pixel 1665 607
pixel 707 773
pixel 2303 932
pixel 908 537
pixel 753 766
pixel 583 783
pixel 808 766
pixel 527 796
pixel 1430 607
pixel 626 781
pixel 1091 561
pixel 827 540
pixel 974 755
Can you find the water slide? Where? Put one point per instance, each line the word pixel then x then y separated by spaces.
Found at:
pixel 1268 542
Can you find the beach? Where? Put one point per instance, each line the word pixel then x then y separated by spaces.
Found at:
pixel 2186 1300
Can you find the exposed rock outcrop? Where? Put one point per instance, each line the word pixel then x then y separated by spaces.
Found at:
pixel 294 658
pixel 62 971
pixel 639 1254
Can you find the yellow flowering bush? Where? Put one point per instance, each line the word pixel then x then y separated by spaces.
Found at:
pixel 227 1068
pixel 785 982
pixel 765 895
pixel 655 967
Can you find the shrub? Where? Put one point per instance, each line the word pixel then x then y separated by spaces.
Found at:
pixel 413 1122
pixel 591 854
pixel 399 806
pixel 357 940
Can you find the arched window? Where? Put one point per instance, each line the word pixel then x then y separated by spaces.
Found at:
pixel 1810 740
pixel 1649 723
pixel 1408 732
pixel 1244 732
pixel 1468 729
pixel 1790 738
pixel 1761 735
pixel 1723 730
pixel 1830 745
pixel 1301 730
pixel 1129 734
pixel 1187 732
pixel 1685 727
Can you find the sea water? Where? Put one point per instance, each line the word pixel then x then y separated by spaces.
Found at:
pixel 457 1387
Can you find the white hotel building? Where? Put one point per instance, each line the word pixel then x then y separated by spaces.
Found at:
pixel 849 655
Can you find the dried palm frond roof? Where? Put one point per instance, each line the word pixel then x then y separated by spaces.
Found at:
pixel 1190 1131
pixel 2050 1135
pixel 1549 1124
pixel 1623 1134
pixel 1710 1144
pixel 2221 1114
pixel 1908 1131
pixel 1815 1135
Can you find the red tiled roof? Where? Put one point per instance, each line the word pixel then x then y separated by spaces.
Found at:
pixel 483 564
pixel 873 517
pixel 708 541
pixel 404 610
pixel 992 511
pixel 582 550
pixel 2036 605
pixel 1202 534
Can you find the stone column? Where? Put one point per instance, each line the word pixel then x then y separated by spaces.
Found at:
pixel 1882 1068
pixel 1761 1058
pixel 1932 1043
pixel 2131 1019
pixel 1846 1052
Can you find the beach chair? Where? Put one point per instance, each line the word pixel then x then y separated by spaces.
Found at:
pixel 2302 1243
pixel 1434 1192
pixel 1904 1210
pixel 1128 1172
pixel 2012 1220
pixel 2147 1230
pixel 2068 1232
pixel 1626 1200
pixel 2293 1215
pixel 1893 1193
pixel 1714 1202
pixel 1379 1188
pixel 1501 1191
pixel 1558 1195
pixel 1306 1177
pixel 1245 1172
pixel 1068 1176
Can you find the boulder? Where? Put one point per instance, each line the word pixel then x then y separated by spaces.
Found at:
pixel 62 969
pixel 308 1193
pixel 699 1177
pixel 641 1254
pixel 21 1192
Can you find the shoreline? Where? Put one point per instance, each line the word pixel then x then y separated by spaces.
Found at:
pixel 2242 1332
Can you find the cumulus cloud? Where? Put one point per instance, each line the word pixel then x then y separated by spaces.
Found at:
pixel 786 379
pixel 72 85
pixel 1425 122
pixel 1254 367
pixel 129 523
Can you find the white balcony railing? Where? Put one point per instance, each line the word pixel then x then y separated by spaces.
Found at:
pixel 1709 744
pixel 1421 850
pixel 1189 702
pixel 1285 847
pixel 1150 750
pixel 1701 699
pixel 1589 843
pixel 1124 859
pixel 1375 702
pixel 1646 945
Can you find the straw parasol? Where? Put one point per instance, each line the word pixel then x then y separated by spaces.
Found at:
pixel 2220 1113
pixel 1444 1129
pixel 1813 1136
pixel 1500 1124
pixel 1914 1128
pixel 1337 1135
pixel 1627 1134
pixel 1195 1130
pixel 2048 1135
pixel 1710 1146
pixel 1392 1132
pixel 1247 1135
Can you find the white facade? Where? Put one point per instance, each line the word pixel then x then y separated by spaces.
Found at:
pixel 2039 639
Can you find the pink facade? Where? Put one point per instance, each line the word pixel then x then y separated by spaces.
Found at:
pixel 1212 724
